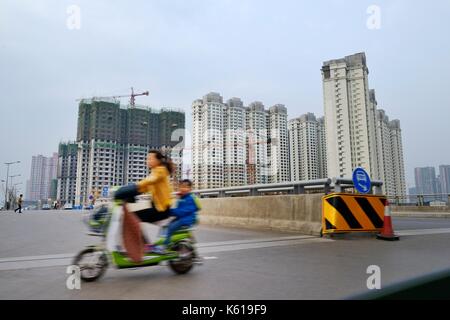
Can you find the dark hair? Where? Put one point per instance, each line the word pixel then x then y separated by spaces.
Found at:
pixel 165 160
pixel 186 181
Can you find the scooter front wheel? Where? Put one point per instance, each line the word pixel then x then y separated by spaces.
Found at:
pixel 92 263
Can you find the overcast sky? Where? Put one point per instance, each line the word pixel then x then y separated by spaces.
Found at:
pixel 270 51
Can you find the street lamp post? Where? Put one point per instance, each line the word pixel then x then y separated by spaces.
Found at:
pixel 3 190
pixel 16 189
pixel 7 175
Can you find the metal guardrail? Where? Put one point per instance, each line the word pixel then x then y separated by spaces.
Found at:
pixel 341 184
pixel 326 186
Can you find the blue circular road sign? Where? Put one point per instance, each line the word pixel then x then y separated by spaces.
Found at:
pixel 361 180
pixel 105 191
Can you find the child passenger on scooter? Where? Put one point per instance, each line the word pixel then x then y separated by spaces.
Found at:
pixel 185 212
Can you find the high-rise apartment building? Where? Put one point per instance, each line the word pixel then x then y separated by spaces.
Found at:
pixel 444 177
pixel 235 145
pixel 307 148
pixel 197 143
pixel 384 145
pixel 425 179
pixel 349 116
pixel 278 148
pixel 208 141
pixel 113 143
pixel 43 171
pixel 390 162
pixel 398 167
pixel 258 152
pixel 357 133
pixel 322 147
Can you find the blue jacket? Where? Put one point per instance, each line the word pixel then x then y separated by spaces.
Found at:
pixel 186 209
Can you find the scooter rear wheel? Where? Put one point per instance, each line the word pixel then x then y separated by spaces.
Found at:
pixel 92 263
pixel 185 261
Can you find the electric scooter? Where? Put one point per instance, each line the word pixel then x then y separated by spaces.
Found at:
pixel 105 221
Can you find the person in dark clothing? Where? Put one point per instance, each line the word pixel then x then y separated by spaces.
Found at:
pixel 19 202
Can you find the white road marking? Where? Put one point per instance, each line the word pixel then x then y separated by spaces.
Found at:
pixel 43 257
pixel 422 232
pixel 29 262
pixel 229 242
pixel 256 245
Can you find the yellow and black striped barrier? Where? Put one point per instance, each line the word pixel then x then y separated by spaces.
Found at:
pixel 343 212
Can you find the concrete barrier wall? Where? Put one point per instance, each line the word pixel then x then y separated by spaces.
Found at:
pixel 299 213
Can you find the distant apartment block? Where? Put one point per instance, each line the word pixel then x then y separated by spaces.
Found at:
pixel 434 187
pixel 257 130
pixel 397 159
pixel 444 176
pixel 307 148
pixel 235 173
pixel 425 179
pixel 208 141
pixel 390 155
pixel 322 148
pixel 43 171
pixel 237 145
pixel 426 182
pixel 278 147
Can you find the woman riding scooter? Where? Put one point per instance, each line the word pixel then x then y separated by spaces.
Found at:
pixel 121 229
pixel 157 184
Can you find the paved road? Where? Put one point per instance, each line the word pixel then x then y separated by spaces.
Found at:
pixel 36 247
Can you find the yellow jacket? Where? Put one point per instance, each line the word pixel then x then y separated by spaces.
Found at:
pixel 158 184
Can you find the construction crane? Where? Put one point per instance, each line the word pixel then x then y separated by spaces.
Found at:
pixel 132 97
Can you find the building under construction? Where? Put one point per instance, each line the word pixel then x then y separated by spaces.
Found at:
pixel 113 142
pixel 67 172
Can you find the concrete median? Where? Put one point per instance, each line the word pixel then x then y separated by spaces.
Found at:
pixel 296 213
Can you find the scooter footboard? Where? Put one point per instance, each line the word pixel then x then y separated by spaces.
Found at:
pixel 122 261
